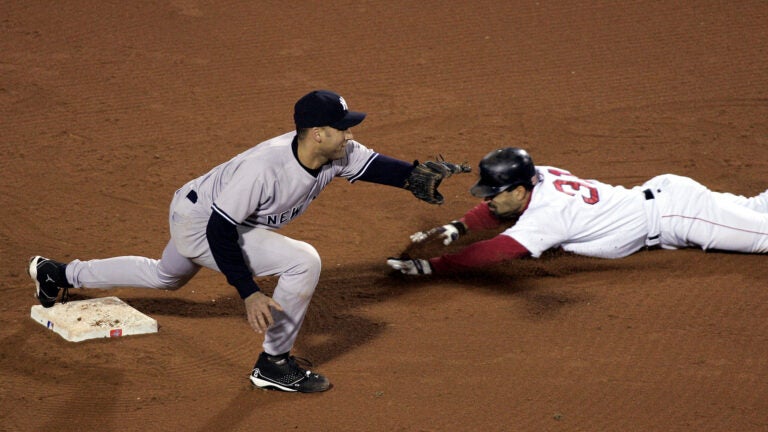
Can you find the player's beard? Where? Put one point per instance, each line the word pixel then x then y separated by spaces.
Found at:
pixel 511 214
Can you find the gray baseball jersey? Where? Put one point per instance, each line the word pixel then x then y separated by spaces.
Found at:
pixel 266 186
pixel 257 191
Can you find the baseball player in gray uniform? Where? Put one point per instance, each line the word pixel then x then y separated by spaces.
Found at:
pixel 544 207
pixel 226 220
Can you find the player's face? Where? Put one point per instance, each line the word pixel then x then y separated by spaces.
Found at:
pixel 334 142
pixel 509 203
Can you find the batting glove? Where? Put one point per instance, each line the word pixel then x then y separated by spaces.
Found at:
pixel 449 233
pixel 410 266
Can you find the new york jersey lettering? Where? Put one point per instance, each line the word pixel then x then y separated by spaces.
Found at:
pixel 284 217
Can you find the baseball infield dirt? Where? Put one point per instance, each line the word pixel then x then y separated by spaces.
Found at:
pixel 107 107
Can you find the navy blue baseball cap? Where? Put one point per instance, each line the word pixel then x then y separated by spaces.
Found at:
pixel 324 108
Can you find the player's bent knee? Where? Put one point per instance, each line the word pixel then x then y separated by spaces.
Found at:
pixel 172 283
pixel 310 260
pixel 301 276
pixel 306 264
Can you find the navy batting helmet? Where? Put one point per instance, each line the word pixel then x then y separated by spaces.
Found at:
pixel 504 169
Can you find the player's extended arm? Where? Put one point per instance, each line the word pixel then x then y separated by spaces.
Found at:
pixel 223 241
pixel 480 254
pixel 479 217
pixel 422 179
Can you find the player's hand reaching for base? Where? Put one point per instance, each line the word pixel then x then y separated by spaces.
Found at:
pixel 410 266
pixel 257 307
pixel 448 233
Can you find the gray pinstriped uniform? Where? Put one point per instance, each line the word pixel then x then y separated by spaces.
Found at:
pixel 259 190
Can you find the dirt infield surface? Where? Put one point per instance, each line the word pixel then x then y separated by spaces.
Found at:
pixel 107 107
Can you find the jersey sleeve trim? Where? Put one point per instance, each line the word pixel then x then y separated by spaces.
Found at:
pixel 223 214
pixel 384 170
pixel 362 171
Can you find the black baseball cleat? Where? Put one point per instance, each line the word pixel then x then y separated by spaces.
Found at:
pixel 49 279
pixel 282 373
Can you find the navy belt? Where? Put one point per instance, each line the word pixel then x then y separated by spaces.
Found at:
pixel 648 194
pixel 654 239
pixel 192 196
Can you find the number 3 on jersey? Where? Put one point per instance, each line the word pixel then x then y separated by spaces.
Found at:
pixel 575 186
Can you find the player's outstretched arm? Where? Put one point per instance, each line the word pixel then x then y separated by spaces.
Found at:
pixel 226 251
pixel 421 179
pixel 483 253
pixel 477 218
pixel 448 233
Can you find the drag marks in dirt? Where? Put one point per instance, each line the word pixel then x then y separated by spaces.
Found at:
pixel 88 385
pixel 57 391
pixel 341 316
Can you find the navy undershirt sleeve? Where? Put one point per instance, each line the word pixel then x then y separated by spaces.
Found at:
pixel 223 241
pixel 387 171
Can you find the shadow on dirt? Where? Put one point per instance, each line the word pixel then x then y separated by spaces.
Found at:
pixel 335 324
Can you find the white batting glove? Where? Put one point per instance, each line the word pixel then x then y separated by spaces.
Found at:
pixel 410 266
pixel 448 233
pixel 419 236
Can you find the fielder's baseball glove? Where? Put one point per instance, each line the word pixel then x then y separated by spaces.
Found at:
pixel 427 176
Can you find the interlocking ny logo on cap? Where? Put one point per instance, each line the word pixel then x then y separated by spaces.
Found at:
pixel 325 108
